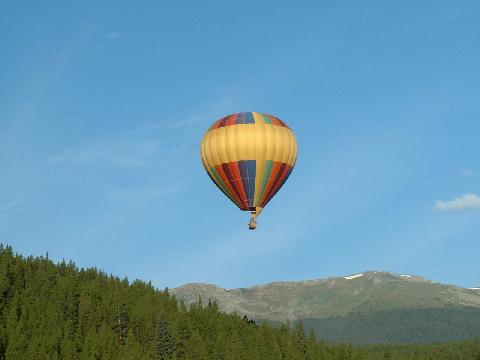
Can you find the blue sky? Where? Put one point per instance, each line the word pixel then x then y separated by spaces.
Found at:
pixel 103 106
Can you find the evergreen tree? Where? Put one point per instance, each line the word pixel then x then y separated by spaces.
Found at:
pixel 164 340
pixel 300 344
pixel 311 347
pixel 120 322
pixel 132 347
pixel 184 333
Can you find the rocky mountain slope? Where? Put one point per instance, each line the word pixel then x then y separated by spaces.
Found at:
pixel 339 296
pixel 340 302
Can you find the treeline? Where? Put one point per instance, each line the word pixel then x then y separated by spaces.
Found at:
pixel 443 351
pixel 58 311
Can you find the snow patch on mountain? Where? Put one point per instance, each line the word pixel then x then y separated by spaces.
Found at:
pixel 352 276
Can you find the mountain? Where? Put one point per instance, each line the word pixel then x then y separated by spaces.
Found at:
pixel 372 307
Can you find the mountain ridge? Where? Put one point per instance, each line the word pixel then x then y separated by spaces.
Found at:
pixel 378 288
pixel 275 282
pixel 402 304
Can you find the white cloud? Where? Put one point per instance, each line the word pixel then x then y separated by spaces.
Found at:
pixel 466 202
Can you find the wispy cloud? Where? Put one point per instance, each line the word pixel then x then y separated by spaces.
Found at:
pixel 157 156
pixel 123 151
pixel 143 146
pixel 116 153
pixel 13 197
pixel 10 205
pixel 129 195
pixel 468 172
pixel 465 202
pixel 232 250
pixel 112 35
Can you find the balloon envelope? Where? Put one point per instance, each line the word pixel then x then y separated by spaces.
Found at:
pixel 249 156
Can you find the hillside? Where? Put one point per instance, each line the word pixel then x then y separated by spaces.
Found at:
pixel 406 306
pixel 59 311
pixel 50 311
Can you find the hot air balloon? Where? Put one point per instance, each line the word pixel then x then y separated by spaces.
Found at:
pixel 249 156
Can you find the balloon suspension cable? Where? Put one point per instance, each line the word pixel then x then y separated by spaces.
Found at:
pixel 252 224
